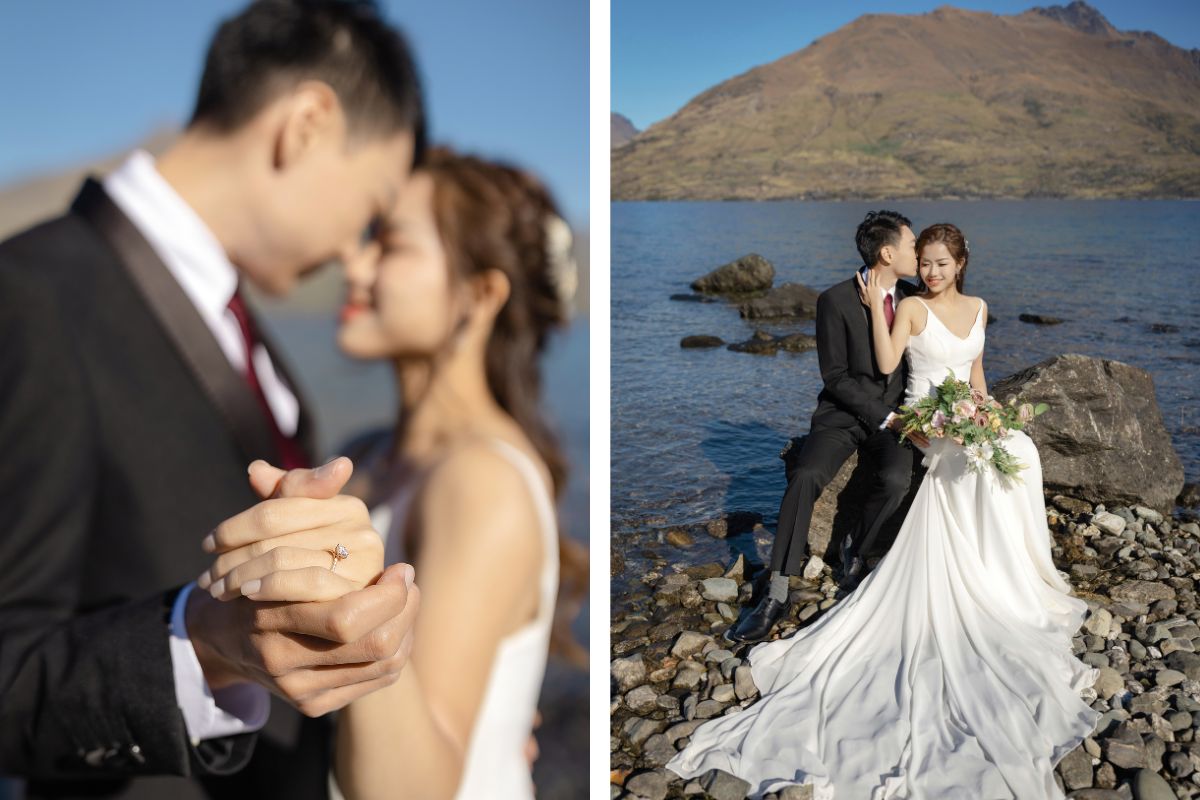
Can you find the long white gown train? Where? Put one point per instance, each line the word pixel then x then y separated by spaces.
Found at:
pixel 948 673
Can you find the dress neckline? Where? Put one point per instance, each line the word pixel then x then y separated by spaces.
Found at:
pixel 946 327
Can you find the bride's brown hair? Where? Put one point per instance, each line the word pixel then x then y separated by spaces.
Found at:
pixel 495 216
pixel 949 235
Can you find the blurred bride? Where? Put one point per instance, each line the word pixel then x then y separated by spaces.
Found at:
pixel 459 289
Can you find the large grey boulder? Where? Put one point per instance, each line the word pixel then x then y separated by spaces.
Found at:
pixel 748 274
pixel 789 300
pixel 1103 438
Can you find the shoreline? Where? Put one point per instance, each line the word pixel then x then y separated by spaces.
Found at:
pixel 1138 570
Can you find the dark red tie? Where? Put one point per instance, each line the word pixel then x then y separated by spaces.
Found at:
pixel 888 312
pixel 291 456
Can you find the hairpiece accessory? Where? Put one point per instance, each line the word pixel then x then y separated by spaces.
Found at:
pixel 564 272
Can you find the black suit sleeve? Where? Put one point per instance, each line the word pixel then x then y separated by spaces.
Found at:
pixel 832 343
pixel 81 694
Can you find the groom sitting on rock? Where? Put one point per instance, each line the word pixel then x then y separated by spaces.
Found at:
pixel 856 410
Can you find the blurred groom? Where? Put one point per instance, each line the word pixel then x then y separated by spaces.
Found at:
pixel 856 411
pixel 135 388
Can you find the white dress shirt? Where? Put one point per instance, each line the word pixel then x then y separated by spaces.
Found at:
pixel 199 264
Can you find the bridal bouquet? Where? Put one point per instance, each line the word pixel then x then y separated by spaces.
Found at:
pixel 972 419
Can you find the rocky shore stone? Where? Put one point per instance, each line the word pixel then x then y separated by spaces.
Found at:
pixel 1103 436
pixel 750 273
pixel 628 672
pixel 720 785
pixel 671 668
pixel 720 590
pixel 689 643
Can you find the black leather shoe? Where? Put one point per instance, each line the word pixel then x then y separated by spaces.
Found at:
pixel 758 625
pixel 852 572
pixel 853 566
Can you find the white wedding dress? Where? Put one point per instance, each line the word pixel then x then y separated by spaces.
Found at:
pixel 496 765
pixel 948 673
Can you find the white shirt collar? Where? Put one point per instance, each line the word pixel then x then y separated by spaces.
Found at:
pixel 185 244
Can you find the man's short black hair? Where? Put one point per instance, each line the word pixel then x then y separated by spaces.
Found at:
pixel 876 231
pixel 274 44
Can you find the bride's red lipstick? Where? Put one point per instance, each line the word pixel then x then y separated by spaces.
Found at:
pixel 350 311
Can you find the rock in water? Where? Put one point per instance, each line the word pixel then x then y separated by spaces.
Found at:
pixel 689 342
pixel 788 300
pixel 1040 319
pixel 1103 437
pixel 750 273
pixel 797 343
pixel 758 346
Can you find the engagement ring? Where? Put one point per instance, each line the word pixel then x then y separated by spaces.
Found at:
pixel 340 553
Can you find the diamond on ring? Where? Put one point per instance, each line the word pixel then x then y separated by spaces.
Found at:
pixel 340 553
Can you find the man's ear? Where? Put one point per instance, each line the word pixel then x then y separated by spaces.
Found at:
pixel 886 255
pixel 310 116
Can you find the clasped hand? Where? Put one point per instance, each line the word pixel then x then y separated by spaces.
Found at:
pixel 271 610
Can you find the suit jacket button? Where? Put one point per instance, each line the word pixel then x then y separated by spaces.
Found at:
pixel 135 752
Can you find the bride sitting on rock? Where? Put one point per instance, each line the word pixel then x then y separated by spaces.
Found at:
pixel 949 672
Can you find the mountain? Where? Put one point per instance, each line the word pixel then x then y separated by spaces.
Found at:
pixel 49 194
pixel 1052 102
pixel 623 130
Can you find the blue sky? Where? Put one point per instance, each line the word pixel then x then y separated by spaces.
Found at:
pixel 665 52
pixel 84 78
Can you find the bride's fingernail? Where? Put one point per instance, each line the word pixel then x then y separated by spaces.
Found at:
pixel 205 580
pixel 325 470
pixel 217 589
pixel 250 588
pixel 209 544
pixel 410 575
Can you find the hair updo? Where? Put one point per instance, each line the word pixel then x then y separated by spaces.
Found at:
pixel 949 235
pixel 495 216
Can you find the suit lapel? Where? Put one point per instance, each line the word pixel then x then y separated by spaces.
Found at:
pixel 193 340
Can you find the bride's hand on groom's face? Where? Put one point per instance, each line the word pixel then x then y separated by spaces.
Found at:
pixel 283 549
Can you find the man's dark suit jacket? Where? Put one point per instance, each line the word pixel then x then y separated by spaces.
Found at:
pixel 856 393
pixel 124 439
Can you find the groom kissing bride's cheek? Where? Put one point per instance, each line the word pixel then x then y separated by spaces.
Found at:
pixel 138 385
pixel 947 671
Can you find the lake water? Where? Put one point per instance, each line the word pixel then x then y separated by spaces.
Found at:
pixel 696 433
